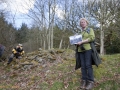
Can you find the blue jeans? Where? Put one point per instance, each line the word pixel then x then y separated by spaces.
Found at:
pixel 17 55
pixel 86 65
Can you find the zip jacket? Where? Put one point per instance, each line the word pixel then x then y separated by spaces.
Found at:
pixel 17 50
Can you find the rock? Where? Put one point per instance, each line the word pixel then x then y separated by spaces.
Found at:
pixel 40 49
pixel 39 59
pixel 34 63
pixel 31 57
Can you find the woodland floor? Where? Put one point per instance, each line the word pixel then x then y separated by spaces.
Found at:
pixel 59 75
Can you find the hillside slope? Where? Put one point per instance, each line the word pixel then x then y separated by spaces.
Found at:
pixel 54 70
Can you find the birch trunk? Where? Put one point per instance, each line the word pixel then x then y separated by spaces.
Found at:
pixel 102 41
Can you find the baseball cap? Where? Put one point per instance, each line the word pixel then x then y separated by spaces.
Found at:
pixel 20 45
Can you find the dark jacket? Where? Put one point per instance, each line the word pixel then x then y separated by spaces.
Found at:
pixel 1 49
pixel 18 50
pixel 95 57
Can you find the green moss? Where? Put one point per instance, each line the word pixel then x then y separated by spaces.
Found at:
pixel 57 86
pixel 44 86
pixel 108 85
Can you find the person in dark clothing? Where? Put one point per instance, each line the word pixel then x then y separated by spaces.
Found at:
pixel 16 52
pixel 2 48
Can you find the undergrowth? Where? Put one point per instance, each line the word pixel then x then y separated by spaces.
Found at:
pixel 61 76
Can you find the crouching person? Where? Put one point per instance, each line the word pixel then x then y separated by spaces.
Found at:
pixel 17 52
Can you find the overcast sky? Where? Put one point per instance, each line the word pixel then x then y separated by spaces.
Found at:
pixel 19 8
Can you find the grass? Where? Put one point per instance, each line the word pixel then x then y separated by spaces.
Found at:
pixel 61 76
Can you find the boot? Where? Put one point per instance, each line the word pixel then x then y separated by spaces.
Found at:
pixel 83 84
pixel 89 85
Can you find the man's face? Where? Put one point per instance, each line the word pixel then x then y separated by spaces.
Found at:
pixel 18 46
pixel 83 23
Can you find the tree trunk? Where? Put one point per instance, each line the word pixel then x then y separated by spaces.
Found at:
pixel 102 41
pixel 60 46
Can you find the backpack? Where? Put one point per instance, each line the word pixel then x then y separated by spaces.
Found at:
pixel 88 30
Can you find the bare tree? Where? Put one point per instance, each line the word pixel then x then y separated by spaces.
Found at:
pixel 104 14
